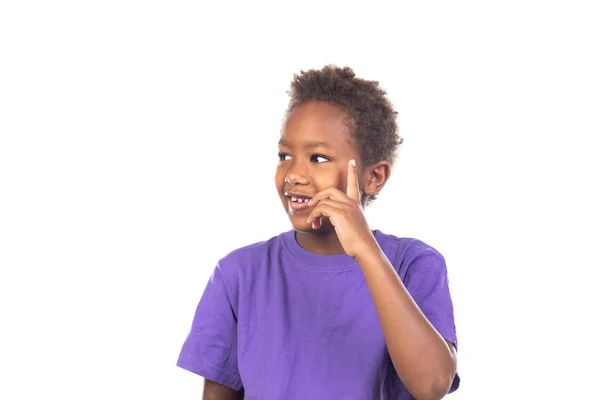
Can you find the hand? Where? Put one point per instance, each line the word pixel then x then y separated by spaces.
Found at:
pixel 345 213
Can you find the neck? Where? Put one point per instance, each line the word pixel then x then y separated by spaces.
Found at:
pixel 325 243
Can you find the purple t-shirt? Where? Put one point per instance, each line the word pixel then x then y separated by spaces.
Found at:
pixel 280 322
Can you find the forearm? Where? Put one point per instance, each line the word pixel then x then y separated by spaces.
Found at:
pixel 423 360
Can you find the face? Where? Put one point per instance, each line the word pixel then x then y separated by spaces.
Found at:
pixel 314 150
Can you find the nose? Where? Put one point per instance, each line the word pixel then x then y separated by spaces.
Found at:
pixel 296 175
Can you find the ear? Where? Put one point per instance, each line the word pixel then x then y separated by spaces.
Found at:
pixel 375 177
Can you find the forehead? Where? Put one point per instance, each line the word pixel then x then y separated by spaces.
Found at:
pixel 318 122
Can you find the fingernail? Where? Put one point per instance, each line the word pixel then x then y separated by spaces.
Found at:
pixel 353 163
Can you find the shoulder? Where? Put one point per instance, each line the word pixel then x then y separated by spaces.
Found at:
pixel 409 255
pixel 248 255
pixel 411 246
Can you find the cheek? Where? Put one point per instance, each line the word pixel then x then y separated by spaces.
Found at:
pixel 329 179
pixel 279 177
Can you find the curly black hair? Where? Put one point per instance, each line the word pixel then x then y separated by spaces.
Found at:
pixel 371 116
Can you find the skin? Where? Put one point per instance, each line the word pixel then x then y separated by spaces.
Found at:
pixel 307 168
pixel 216 391
pixel 318 159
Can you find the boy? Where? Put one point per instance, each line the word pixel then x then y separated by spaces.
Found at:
pixel 330 309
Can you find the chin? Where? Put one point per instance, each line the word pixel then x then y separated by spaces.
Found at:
pixel 300 225
pixel 303 227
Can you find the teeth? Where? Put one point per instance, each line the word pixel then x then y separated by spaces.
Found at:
pixel 298 200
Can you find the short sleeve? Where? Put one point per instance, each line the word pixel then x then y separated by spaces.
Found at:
pixel 427 283
pixel 210 349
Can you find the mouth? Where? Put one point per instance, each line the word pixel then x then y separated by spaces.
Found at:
pixel 296 201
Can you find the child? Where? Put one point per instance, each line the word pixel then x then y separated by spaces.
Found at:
pixel 330 309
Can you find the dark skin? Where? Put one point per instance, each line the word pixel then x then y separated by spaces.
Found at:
pixel 319 161
pixel 216 391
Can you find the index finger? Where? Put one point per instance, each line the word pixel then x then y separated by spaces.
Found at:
pixel 352 190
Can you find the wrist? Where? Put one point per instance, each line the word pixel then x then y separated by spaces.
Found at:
pixel 368 250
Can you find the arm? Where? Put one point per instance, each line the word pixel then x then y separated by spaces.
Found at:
pixel 210 349
pixel 424 361
pixel 215 391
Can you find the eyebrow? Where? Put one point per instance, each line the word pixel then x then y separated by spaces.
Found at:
pixel 310 144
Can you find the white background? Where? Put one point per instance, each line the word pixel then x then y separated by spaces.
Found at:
pixel 138 146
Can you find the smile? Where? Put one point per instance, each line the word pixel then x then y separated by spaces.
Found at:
pixel 297 202
pixel 299 199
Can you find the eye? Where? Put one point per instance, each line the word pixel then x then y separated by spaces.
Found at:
pixel 284 157
pixel 317 158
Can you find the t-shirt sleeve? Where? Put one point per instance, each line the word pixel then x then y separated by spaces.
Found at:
pixel 210 349
pixel 427 282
